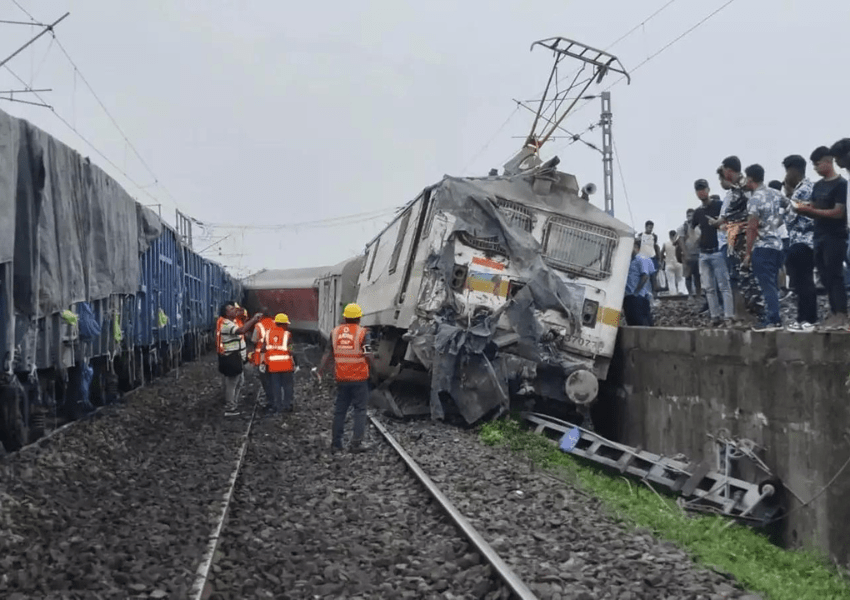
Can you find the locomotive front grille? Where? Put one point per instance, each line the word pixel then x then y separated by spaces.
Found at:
pixel 579 248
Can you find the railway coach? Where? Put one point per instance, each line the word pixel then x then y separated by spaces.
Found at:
pixel 97 293
pixel 312 297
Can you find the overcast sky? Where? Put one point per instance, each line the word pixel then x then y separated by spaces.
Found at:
pixel 269 112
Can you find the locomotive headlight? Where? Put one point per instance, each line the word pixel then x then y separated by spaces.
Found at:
pixel 589 312
pixel 582 387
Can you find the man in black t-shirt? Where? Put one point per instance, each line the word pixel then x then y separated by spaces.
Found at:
pixel 712 263
pixel 841 151
pixel 828 208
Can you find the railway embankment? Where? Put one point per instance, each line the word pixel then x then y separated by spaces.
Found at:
pixel 671 389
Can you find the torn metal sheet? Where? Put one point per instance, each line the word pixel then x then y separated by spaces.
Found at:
pixel 458 347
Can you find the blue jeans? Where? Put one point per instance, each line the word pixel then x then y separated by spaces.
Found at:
pixel 348 394
pixel 281 390
pixel 288 390
pixel 715 275
pixel 731 267
pixel 766 264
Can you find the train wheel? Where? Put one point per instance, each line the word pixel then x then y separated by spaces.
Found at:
pixel 13 431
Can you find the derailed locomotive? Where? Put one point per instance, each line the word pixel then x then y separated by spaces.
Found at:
pixel 495 288
pixel 97 294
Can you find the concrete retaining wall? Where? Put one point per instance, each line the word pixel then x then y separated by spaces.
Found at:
pixel 782 390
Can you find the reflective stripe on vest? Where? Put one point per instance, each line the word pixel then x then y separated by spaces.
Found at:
pixel 218 346
pixel 257 357
pixel 262 327
pixel 347 341
pixel 276 351
pixel 234 345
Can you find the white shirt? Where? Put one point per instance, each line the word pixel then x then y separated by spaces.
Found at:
pixel 647 244
pixel 670 254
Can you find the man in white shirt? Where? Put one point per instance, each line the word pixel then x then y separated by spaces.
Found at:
pixel 649 249
pixel 673 267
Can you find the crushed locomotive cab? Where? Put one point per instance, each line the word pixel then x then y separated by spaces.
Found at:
pixel 495 288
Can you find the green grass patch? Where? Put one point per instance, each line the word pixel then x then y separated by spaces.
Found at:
pixel 757 564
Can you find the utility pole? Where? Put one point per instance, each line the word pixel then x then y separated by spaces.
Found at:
pixel 607 154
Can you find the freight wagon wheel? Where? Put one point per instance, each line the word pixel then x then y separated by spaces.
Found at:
pixel 13 431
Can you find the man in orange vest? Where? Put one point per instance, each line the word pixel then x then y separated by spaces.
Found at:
pixel 280 365
pixel 256 357
pixel 352 363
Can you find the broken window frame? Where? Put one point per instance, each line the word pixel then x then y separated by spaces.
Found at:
pixel 426 213
pixel 510 211
pixel 399 241
pixel 374 256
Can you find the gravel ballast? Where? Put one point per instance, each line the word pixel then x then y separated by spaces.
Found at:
pixel 688 312
pixel 120 506
pixel 557 538
pixel 305 523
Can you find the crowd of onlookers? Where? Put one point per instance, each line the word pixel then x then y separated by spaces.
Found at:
pixel 760 242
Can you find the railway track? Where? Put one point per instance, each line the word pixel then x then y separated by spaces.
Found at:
pixel 165 498
pixel 119 506
pixel 300 522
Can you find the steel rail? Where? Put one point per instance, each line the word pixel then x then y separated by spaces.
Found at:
pixel 203 572
pixel 503 570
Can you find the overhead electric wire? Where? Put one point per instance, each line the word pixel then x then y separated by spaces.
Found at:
pixel 25 11
pixel 35 72
pixel 82 137
pixel 491 140
pixel 78 72
pixel 115 123
pixel 573 136
pixel 330 222
pixel 623 182
pixel 631 31
pixel 655 54
pixel 7 22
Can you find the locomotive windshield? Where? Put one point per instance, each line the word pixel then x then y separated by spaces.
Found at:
pixel 579 248
pixel 515 214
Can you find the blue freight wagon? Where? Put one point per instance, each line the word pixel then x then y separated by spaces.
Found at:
pixel 97 294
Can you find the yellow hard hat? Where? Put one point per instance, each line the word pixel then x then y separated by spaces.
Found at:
pixel 281 318
pixel 352 311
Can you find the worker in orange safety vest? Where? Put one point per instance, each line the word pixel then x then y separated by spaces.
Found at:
pixel 279 364
pixel 349 352
pixel 256 356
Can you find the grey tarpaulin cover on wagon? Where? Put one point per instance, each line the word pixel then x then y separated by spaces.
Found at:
pixel 8 184
pixel 67 246
pixel 442 342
